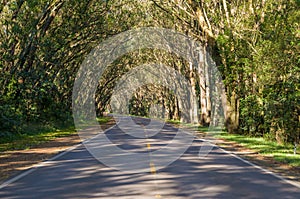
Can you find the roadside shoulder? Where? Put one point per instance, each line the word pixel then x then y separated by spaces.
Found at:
pixel 266 162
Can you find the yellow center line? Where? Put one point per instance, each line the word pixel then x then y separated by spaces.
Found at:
pixel 152 168
pixel 151 164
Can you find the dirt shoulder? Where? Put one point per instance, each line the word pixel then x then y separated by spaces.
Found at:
pixel 266 162
pixel 13 162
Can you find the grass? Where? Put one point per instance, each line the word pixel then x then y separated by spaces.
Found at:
pixel 39 134
pixel 35 134
pixel 179 124
pixel 103 120
pixel 173 121
pixel 281 153
pixel 28 140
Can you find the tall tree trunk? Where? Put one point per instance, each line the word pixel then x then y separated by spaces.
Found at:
pixel 204 93
pixel 193 99
pixel 232 113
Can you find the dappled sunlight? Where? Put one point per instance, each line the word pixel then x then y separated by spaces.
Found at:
pixel 78 174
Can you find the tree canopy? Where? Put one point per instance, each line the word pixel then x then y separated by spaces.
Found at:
pixel 255 44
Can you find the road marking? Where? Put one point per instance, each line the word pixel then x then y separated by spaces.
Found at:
pixel 152 168
pixel 151 164
pixel 36 166
pixel 255 166
pixel 263 169
pixel 153 172
pixel 148 145
pixel 45 163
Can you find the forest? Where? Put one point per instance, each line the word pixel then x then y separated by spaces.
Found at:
pixel 255 45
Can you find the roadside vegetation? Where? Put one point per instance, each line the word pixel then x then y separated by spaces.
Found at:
pixel 283 153
pixel 255 45
pixel 34 135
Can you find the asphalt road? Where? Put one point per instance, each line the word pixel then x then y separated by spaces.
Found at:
pixel 77 174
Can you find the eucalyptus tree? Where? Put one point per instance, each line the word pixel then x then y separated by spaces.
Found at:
pixel 254 43
pixel 251 41
pixel 42 44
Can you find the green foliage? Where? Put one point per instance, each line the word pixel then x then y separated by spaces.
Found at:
pixel 10 120
pixel 36 135
pixel 251 115
pixel 282 153
pixel 43 43
pixel 261 70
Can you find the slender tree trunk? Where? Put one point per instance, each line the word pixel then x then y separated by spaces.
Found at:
pixel 193 99
pixel 204 93
pixel 231 113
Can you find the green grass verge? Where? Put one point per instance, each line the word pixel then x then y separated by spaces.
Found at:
pixel 281 153
pixel 35 134
pixel 103 120
pixel 28 140
pixel 173 121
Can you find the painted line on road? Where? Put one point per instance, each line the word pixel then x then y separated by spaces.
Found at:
pixel 153 171
pixel 44 163
pixel 152 167
pixel 151 164
pixel 36 166
pixel 255 166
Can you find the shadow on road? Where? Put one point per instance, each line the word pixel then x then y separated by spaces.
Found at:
pixel 78 174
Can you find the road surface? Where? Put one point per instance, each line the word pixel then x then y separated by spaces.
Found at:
pixel 77 174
